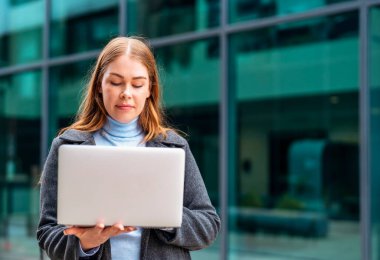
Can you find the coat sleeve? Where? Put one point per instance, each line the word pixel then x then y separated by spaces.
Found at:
pixel 49 234
pixel 200 223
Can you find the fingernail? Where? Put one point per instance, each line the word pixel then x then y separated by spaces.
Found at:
pixel 64 232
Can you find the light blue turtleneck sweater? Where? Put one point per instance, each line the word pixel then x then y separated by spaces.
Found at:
pixel 114 133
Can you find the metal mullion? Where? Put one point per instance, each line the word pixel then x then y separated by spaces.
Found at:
pixel 373 3
pixel 45 91
pixel 224 131
pixel 193 36
pixel 122 17
pixel 73 58
pixel 20 68
pixel 271 21
pixel 254 24
pixel 45 84
pixel 184 37
pixel 47 62
pixel 364 156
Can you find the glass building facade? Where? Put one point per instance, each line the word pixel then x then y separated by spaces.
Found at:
pixel 280 100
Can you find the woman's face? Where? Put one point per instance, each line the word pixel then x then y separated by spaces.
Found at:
pixel 125 88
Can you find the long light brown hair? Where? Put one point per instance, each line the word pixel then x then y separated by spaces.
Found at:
pixel 92 114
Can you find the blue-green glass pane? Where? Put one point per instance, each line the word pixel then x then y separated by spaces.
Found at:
pixel 20 120
pixel 79 26
pixel 168 17
pixel 190 81
pixel 21 39
pixel 374 58
pixel 67 83
pixel 245 10
pixel 296 185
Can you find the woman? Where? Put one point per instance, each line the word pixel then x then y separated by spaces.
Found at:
pixel 122 107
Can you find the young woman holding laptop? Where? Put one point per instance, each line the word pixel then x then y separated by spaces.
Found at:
pixel 121 107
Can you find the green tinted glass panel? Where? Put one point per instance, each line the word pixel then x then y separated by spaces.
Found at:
pixel 245 10
pixel 295 193
pixel 167 17
pixel 79 26
pixel 190 81
pixel 374 58
pixel 20 120
pixel 67 83
pixel 21 39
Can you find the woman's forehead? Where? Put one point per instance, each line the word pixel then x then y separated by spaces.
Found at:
pixel 126 66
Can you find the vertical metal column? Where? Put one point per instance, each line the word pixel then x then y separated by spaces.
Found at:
pixel 364 103
pixel 223 137
pixel 45 85
pixel 123 5
pixel 45 91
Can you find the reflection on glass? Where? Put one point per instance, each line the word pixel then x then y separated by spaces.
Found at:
pixel 374 58
pixel 190 80
pixel 20 39
pixel 66 85
pixel 20 119
pixel 297 181
pixel 243 10
pixel 79 26
pixel 166 17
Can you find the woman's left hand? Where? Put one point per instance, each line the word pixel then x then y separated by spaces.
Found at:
pixel 91 237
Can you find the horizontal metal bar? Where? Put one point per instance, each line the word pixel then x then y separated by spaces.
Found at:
pixel 74 58
pixel 373 2
pixel 254 24
pixel 20 68
pixel 184 37
pixel 207 33
pixel 52 62
pixel 270 21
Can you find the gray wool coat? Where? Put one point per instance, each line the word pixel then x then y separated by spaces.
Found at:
pixel 200 224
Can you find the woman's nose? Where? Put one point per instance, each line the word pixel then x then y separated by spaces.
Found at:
pixel 126 93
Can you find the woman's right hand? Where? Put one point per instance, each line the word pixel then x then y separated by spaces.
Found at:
pixel 91 237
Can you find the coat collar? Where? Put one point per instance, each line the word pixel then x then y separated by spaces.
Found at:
pixel 73 136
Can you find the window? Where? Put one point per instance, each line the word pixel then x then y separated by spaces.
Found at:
pixel 297 128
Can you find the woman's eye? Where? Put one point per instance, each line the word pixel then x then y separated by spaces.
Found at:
pixel 115 83
pixel 138 86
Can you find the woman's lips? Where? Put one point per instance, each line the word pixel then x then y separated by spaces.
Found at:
pixel 124 107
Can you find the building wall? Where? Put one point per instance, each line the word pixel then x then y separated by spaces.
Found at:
pixel 289 89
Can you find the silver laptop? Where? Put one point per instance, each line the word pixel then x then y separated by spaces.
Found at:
pixel 137 186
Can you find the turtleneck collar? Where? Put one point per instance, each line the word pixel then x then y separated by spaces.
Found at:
pixel 122 130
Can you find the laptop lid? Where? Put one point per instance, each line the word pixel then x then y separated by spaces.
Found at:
pixel 137 186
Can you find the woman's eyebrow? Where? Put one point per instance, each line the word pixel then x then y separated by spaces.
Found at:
pixel 121 76
pixel 139 77
pixel 116 74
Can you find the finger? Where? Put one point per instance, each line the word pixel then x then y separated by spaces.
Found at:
pixel 73 231
pixel 119 226
pixel 129 229
pixel 99 227
pixel 113 230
